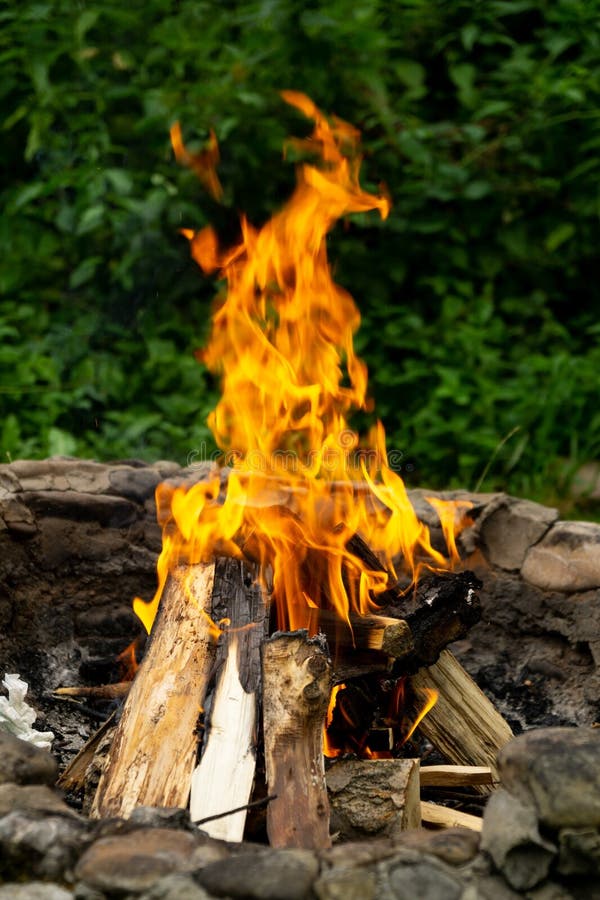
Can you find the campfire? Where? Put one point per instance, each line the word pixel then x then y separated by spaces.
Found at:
pixel 302 608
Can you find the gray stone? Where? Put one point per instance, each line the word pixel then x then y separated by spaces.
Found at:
pixel 423 880
pixel 511 836
pixel 491 887
pixel 579 851
pixel 132 862
pixel 346 884
pixel 135 484
pixel 23 763
pixel 84 892
pixel 40 846
pixel 511 527
pixel 175 887
pixel 549 890
pixel 160 817
pixel 32 798
pixel 114 512
pixel 566 559
pixel 455 846
pixel 360 853
pixel 262 875
pixel 9 483
pixel 556 771
pixel 35 890
pixel 17 517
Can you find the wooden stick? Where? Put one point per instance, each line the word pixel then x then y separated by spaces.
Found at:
pixel 455 776
pixel 98 692
pixel 463 725
pixel 296 688
pixel 256 804
pixel 443 817
pixel 154 750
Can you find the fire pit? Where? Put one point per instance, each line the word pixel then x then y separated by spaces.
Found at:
pixel 308 607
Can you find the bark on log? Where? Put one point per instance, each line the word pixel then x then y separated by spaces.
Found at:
pixel 154 750
pixel 463 725
pixel 223 779
pixel 373 797
pixel 296 688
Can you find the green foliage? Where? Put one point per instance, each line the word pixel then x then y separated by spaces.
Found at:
pixel 479 295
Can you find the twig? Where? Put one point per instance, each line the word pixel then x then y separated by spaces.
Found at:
pixel 98 692
pixel 256 804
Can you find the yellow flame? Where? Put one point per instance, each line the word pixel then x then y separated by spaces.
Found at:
pixel 430 698
pixel 302 482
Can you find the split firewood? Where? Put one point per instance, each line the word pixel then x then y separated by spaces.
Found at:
pixel 296 679
pixel 443 817
pixel 153 753
pixel 224 777
pixel 372 798
pixel 463 725
pixel 455 776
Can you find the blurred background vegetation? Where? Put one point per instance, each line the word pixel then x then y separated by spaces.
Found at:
pixel 479 295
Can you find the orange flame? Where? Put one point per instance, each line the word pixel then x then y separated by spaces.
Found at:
pixel 128 660
pixel 301 482
pixel 329 748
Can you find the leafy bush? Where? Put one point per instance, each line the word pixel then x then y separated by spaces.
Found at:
pixel 478 294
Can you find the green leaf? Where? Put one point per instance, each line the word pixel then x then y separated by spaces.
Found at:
pixel 26 194
pixel 412 75
pixel 84 22
pixel 60 443
pixel 120 180
pixel 475 190
pixel 469 34
pixel 463 76
pixel 559 235
pixel 92 217
pixel 84 272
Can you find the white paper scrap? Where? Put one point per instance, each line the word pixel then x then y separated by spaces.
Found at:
pixel 17 717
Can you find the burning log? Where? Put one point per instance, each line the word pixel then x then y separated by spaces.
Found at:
pixel 441 610
pixel 154 749
pixel 296 686
pixel 464 725
pixel 224 777
pixel 390 636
